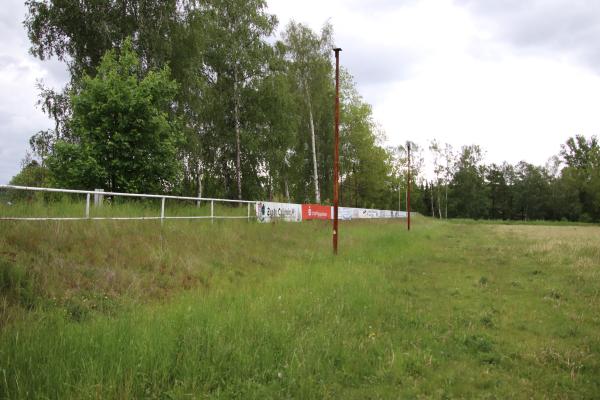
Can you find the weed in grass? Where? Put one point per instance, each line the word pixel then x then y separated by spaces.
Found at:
pixel 554 294
pixel 486 320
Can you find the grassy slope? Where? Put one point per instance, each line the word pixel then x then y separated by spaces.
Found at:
pixel 121 310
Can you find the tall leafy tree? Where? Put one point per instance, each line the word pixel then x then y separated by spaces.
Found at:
pixel 311 69
pixel 124 134
pixel 469 197
pixel 499 183
pixel 532 191
pixel 79 33
pixel 236 58
pixel 582 159
pixel 366 168
pixel 437 154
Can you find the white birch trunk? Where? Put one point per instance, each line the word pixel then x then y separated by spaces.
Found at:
pixel 432 205
pixel 236 112
pixel 314 148
pixel 199 182
pixel 439 202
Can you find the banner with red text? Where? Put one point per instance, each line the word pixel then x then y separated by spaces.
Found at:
pixel 316 211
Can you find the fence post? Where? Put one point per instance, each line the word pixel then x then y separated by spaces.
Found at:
pixel 98 198
pixel 162 210
pixel 212 211
pixel 87 206
pixel 248 212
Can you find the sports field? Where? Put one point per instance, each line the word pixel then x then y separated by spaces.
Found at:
pixel 123 309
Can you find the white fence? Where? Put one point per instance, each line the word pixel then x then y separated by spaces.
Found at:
pixel 262 211
pixel 101 194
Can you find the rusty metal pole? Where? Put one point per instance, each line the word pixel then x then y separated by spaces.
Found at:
pixel 336 152
pixel 408 189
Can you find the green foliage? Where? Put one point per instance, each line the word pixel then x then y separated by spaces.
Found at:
pixel 582 173
pixel 468 185
pixel 124 137
pixel 567 189
pixel 256 118
pixel 32 174
pixel 80 33
pixel 365 165
pixel 249 109
pixel 310 73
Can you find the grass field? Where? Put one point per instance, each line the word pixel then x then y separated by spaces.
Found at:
pixel 123 309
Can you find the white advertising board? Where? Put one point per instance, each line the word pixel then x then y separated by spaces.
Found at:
pixel 268 211
pixel 344 213
pixel 367 213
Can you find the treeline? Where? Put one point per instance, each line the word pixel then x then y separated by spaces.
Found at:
pixel 201 97
pixel 198 98
pixel 566 188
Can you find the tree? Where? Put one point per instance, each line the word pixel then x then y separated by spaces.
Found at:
pixel 365 166
pixel 582 157
pixel 532 191
pixel 311 68
pixel 124 134
pixel 163 32
pixel 32 174
pixel 469 197
pixel 81 32
pixel 236 58
pixel 448 173
pixel 438 169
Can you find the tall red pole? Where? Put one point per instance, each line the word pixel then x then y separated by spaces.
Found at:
pixel 336 153
pixel 408 189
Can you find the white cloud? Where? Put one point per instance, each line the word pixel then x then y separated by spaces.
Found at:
pixel 464 81
pixel 19 72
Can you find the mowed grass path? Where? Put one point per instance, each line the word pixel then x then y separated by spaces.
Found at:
pixel 243 310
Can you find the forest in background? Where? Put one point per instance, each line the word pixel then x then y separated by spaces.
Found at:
pixel 199 98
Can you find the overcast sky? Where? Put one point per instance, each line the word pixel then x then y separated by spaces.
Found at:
pixel 517 77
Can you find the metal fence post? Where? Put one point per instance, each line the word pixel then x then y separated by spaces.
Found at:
pixel 248 212
pixel 162 210
pixel 87 206
pixel 212 211
pixel 98 198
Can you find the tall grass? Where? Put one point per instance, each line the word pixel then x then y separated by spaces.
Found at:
pixel 58 205
pixel 244 310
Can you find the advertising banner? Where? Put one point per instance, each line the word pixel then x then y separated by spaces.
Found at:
pixel 365 213
pixel 316 211
pixel 344 213
pixel 268 211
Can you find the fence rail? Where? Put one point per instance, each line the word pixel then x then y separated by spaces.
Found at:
pixel 162 216
pixel 262 211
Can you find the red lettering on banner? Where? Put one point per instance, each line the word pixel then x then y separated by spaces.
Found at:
pixel 316 211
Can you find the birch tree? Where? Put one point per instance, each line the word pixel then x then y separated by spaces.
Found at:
pixel 438 170
pixel 310 64
pixel 236 57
